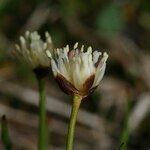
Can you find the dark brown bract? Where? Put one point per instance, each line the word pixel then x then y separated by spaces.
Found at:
pixel 68 88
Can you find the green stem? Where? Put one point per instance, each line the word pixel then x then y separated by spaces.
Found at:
pixel 125 133
pixel 71 128
pixel 4 133
pixel 42 143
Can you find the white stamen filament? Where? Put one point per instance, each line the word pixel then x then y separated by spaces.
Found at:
pixel 76 45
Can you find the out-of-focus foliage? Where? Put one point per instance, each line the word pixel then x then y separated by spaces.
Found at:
pixel 110 21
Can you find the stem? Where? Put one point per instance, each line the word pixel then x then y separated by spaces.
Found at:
pixel 71 128
pixel 42 143
pixel 125 133
pixel 4 133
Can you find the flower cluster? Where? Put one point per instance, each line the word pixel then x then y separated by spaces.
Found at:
pixel 78 71
pixel 32 49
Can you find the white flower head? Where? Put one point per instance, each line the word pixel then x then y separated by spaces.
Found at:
pixel 78 71
pixel 32 49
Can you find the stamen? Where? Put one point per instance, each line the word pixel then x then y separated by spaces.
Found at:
pixel 22 40
pixel 48 54
pixel 89 50
pixel 48 37
pixel 105 56
pixel 82 48
pixel 54 67
pixel 67 48
pixel 96 55
pixel 75 45
pixel 58 52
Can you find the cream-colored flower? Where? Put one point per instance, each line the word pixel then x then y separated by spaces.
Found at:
pixel 78 71
pixel 32 49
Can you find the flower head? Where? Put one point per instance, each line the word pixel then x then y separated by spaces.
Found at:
pixel 32 49
pixel 78 71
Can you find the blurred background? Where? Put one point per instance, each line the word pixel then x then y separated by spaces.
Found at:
pixel 119 27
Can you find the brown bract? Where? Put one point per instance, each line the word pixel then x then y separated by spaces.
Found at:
pixel 69 88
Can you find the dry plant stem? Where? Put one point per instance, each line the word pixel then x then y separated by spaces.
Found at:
pixel 42 143
pixel 71 128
